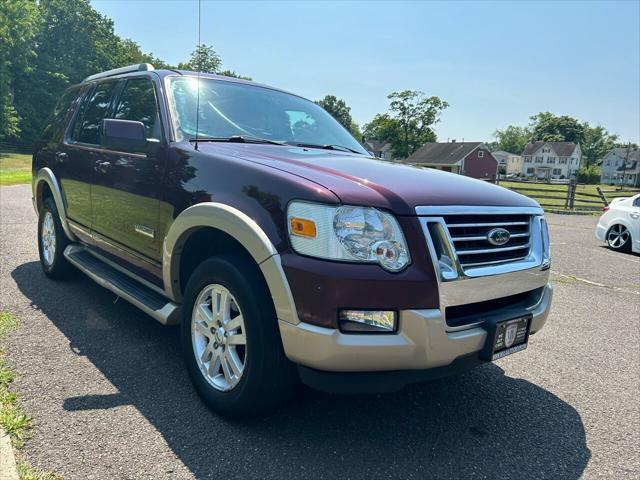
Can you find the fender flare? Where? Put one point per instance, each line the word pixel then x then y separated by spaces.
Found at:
pixel 46 175
pixel 246 231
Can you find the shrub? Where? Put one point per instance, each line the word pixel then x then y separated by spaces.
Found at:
pixel 590 174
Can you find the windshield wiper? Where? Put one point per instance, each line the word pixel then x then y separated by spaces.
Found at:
pixel 328 147
pixel 237 139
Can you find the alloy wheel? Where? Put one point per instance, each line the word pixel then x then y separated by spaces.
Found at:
pixel 48 239
pixel 218 337
pixel 618 236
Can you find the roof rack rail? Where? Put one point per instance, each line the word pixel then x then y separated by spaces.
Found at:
pixel 140 67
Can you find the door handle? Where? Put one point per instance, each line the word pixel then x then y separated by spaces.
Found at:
pixel 634 215
pixel 61 157
pixel 102 167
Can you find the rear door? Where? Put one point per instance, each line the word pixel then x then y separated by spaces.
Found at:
pixel 125 196
pixel 80 151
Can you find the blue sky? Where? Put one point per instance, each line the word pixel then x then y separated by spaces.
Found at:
pixel 496 63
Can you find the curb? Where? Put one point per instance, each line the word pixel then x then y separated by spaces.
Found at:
pixel 8 469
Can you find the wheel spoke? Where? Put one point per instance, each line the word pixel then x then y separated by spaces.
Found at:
pixel 204 313
pixel 234 323
pixel 238 339
pixel 226 370
pixel 234 361
pixel 206 354
pixel 214 365
pixel 202 329
pixel 220 305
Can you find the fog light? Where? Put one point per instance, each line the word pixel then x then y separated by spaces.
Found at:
pixel 367 321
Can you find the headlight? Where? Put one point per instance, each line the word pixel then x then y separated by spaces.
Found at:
pixel 546 245
pixel 346 233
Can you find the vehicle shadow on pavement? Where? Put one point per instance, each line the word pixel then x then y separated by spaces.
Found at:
pixel 480 424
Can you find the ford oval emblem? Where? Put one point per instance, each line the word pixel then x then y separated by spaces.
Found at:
pixel 498 236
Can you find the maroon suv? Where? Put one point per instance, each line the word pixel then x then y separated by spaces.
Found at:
pixel 253 219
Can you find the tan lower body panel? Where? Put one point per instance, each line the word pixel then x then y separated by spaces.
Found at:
pixel 422 342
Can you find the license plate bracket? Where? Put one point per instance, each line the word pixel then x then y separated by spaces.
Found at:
pixel 506 337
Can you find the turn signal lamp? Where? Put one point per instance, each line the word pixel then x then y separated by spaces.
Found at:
pixel 303 227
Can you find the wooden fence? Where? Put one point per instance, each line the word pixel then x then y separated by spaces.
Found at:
pixel 567 197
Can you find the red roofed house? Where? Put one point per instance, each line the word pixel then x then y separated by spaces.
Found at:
pixel 472 159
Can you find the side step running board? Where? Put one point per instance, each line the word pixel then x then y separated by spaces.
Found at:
pixel 125 286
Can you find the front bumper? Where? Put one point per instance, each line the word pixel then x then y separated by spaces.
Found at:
pixel 423 342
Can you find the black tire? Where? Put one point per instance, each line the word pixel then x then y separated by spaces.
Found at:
pixel 619 238
pixel 268 378
pixel 56 267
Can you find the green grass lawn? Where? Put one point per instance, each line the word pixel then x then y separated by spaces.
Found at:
pixel 559 190
pixel 15 168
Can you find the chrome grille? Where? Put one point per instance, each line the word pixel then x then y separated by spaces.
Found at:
pixel 469 234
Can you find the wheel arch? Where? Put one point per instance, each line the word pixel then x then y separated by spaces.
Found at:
pixel 242 229
pixel 45 182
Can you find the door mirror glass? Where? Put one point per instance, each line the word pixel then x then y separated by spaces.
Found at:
pixel 124 135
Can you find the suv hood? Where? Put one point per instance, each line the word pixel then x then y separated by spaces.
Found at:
pixel 360 180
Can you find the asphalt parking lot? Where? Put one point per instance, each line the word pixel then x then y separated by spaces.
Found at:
pixel 111 399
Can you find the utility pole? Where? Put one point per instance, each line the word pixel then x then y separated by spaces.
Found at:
pixel 624 167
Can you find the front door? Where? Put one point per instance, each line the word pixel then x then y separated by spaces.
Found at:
pixel 125 195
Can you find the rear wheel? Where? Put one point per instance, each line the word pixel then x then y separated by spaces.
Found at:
pixel 51 243
pixel 230 339
pixel 619 238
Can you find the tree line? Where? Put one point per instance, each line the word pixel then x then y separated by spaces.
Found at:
pixel 48 45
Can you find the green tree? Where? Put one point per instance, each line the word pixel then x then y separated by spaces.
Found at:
pixel 512 139
pixel 231 73
pixel 19 22
pixel 73 41
pixel 339 110
pixel 551 128
pixel 203 59
pixel 382 128
pixel 595 143
pixel 414 115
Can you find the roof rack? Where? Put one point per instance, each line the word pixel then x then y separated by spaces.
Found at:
pixel 141 67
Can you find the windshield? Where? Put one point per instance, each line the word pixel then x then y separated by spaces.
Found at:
pixel 230 109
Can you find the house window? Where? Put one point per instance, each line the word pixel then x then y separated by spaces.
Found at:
pixel 539 159
pixel 608 162
pixel 563 160
pixel 531 170
pixel 527 159
pixel 480 154
pixel 551 159
pixel 557 171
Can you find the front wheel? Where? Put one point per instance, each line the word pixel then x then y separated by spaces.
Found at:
pixel 230 339
pixel 51 243
pixel 619 238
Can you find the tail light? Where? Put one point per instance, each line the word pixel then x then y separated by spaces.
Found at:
pixel 605 208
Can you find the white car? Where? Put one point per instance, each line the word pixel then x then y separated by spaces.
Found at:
pixel 619 226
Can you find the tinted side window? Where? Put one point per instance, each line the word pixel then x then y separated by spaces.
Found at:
pixel 60 112
pixel 88 123
pixel 636 202
pixel 138 102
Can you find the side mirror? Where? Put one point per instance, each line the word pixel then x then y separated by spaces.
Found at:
pixel 124 135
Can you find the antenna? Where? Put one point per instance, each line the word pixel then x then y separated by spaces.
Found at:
pixel 198 80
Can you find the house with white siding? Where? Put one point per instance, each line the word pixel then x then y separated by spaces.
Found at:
pixel 621 166
pixel 546 160
pixel 510 163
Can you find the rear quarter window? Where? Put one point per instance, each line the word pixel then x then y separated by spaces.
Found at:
pixel 61 112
